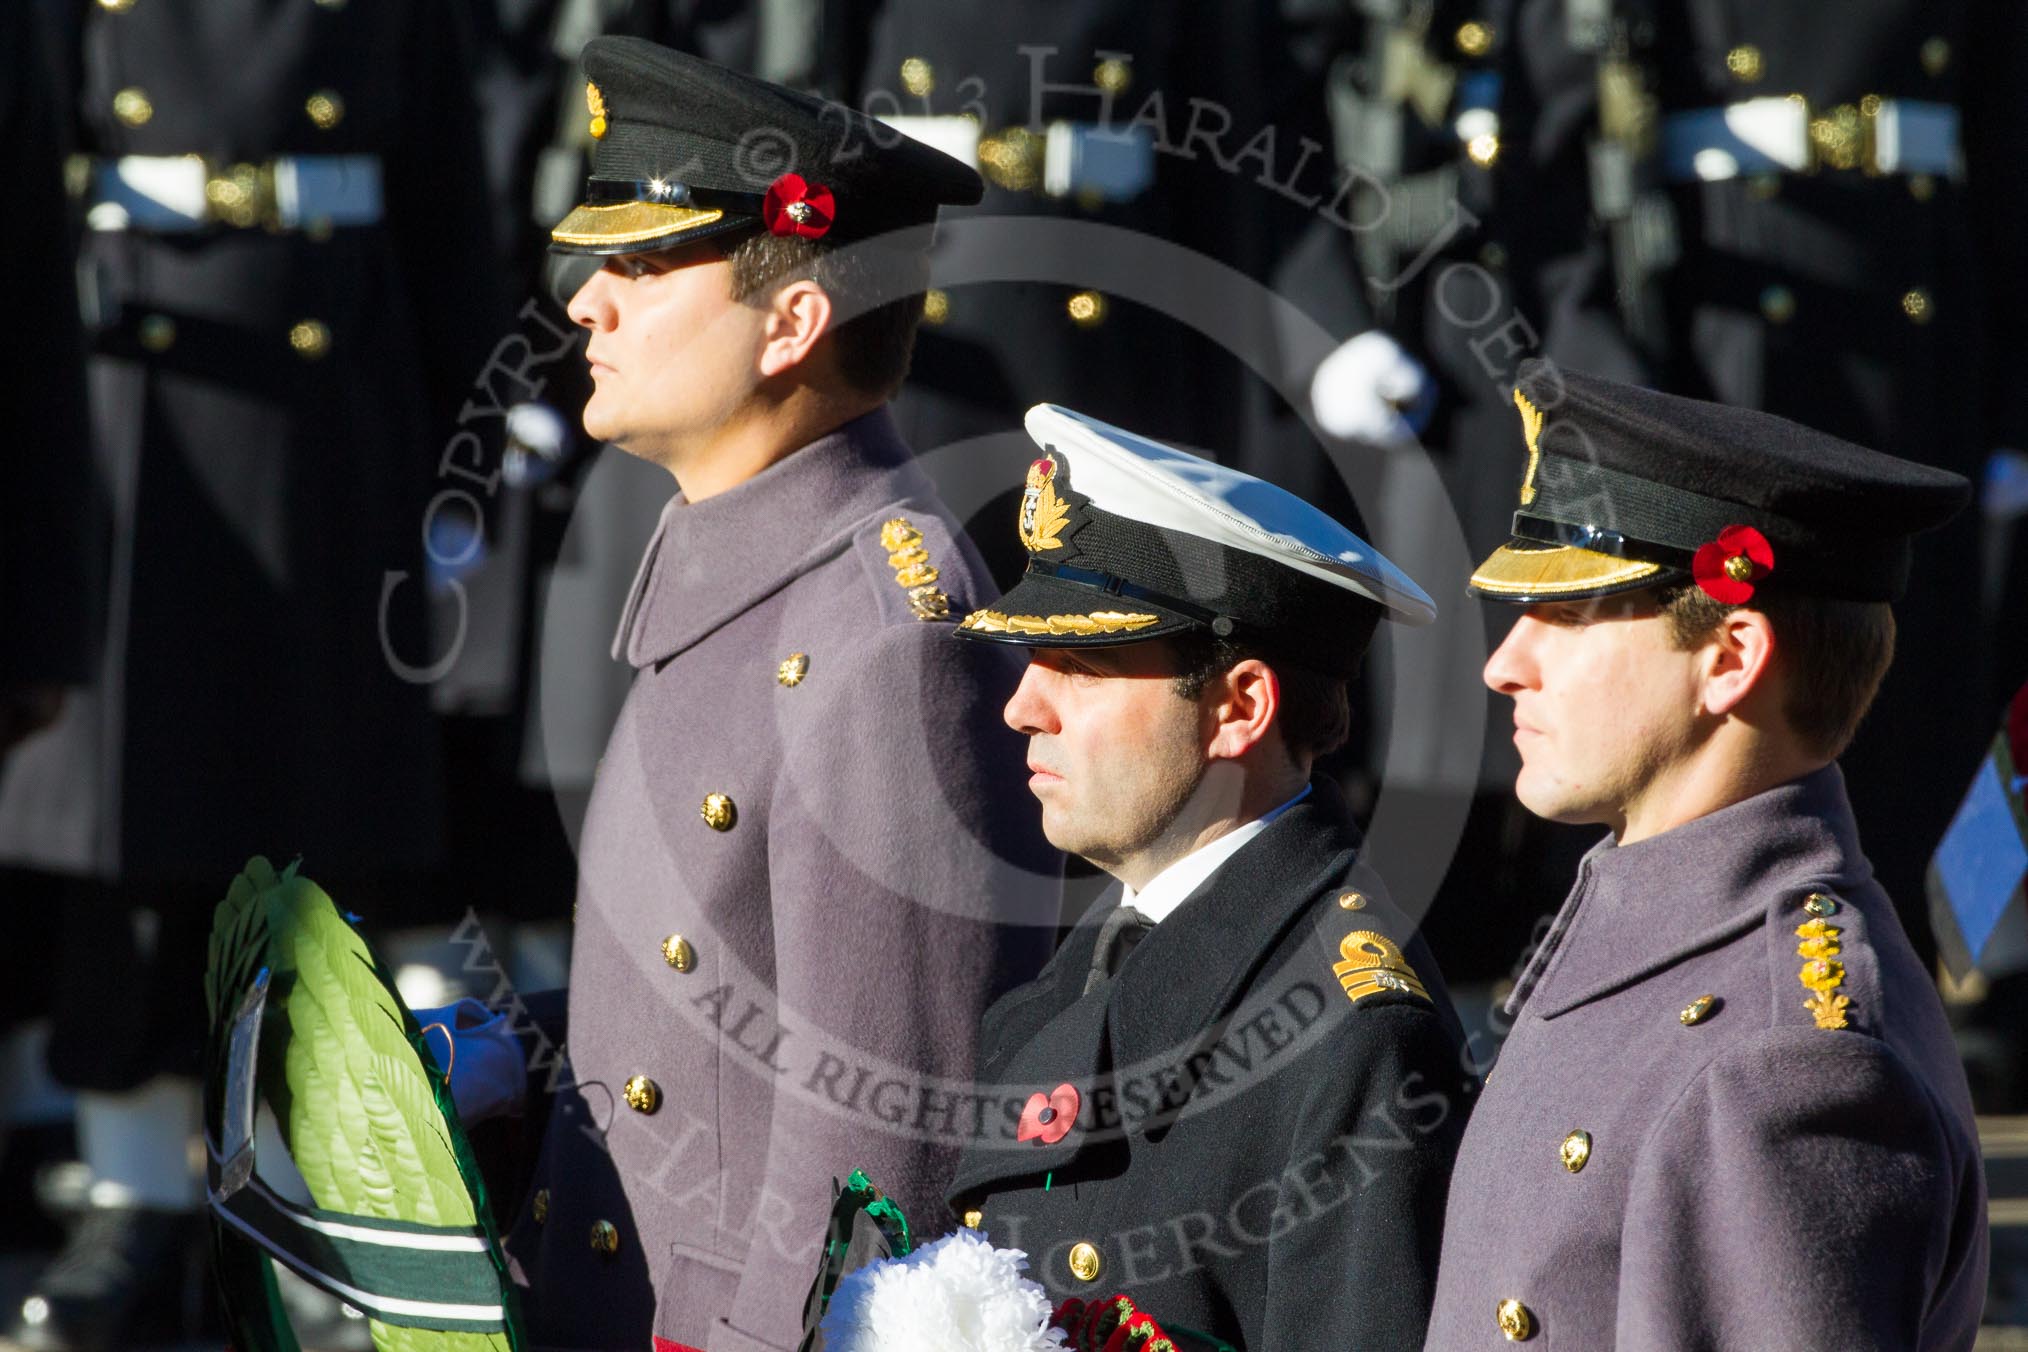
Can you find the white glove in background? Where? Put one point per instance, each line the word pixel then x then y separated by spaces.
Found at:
pixel 1370 389
pixel 489 1076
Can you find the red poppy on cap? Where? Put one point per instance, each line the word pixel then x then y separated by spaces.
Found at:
pixel 793 207
pixel 1728 567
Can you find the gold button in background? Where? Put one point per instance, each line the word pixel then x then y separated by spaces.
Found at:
pixel 1936 55
pixel 1084 1262
pixel 1475 39
pixel 1917 305
pixel 311 338
pixel 1484 150
pixel 973 1219
pixel 918 77
pixel 605 1238
pixel 1778 304
pixel 677 952
pixel 1113 75
pixel 718 812
pixel 132 107
pixel 539 1208
pixel 326 109
pixel 1745 63
pixel 116 6
pixel 643 1095
pixel 1516 1323
pixel 936 306
pixel 158 333
pixel 1576 1150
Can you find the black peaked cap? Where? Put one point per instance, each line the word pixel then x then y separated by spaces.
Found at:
pixel 684 149
pixel 1625 485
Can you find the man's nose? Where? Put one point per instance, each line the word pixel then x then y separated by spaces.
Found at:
pixel 1029 710
pixel 592 306
pixel 1512 664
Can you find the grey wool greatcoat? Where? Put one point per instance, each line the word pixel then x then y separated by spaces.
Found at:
pixel 1680 1148
pixel 1263 1104
pixel 809 863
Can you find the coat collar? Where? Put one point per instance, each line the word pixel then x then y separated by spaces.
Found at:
pixel 712 561
pixel 1639 908
pixel 1170 995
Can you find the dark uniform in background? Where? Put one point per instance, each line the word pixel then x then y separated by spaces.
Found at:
pixel 1820 214
pixel 283 334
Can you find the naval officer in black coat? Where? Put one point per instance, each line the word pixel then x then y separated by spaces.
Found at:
pixel 1235 1092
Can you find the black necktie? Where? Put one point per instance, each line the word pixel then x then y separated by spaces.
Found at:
pixel 1118 933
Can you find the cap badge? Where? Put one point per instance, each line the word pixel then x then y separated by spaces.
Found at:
pixel 1042 512
pixel 1531 429
pixel 596 103
pixel 1048 1118
pixel 1727 568
pixel 794 207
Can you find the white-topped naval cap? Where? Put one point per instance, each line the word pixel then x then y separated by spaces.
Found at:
pixel 1131 476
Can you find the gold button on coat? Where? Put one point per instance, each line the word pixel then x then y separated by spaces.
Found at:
pixel 132 107
pixel 1516 1323
pixel 326 109
pixel 1698 1010
pixel 539 1208
pixel 677 952
pixel 1576 1151
pixel 1351 901
pixel 311 338
pixel 718 812
pixel 643 1095
pixel 1820 906
pixel 1084 1262
pixel 1087 309
pixel 793 669
pixel 605 1238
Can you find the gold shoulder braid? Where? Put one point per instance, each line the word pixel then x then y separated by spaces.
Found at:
pixel 913 571
pixel 1822 973
pixel 1373 965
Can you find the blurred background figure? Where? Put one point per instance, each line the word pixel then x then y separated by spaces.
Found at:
pixel 287 284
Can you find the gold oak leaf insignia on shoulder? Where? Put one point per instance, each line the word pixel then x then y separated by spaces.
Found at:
pixel 1372 964
pixel 1822 973
pixel 913 571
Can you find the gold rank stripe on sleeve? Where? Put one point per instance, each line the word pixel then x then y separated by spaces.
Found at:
pixel 1822 973
pixel 1372 964
pixel 913 571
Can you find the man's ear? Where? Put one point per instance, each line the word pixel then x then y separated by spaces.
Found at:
pixel 1738 660
pixel 797 317
pixel 1240 709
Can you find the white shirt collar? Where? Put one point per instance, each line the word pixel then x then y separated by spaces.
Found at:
pixel 1168 889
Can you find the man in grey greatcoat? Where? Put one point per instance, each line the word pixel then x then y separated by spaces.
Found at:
pixel 1729 1116
pixel 807 860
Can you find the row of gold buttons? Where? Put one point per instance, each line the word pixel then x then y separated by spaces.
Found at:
pixel 309 338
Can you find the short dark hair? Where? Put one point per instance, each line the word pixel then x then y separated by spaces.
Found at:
pixel 1316 713
pixel 874 346
pixel 1838 651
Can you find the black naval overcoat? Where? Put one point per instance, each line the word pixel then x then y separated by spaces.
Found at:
pixel 272 413
pixel 1262 1134
pixel 1890 309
